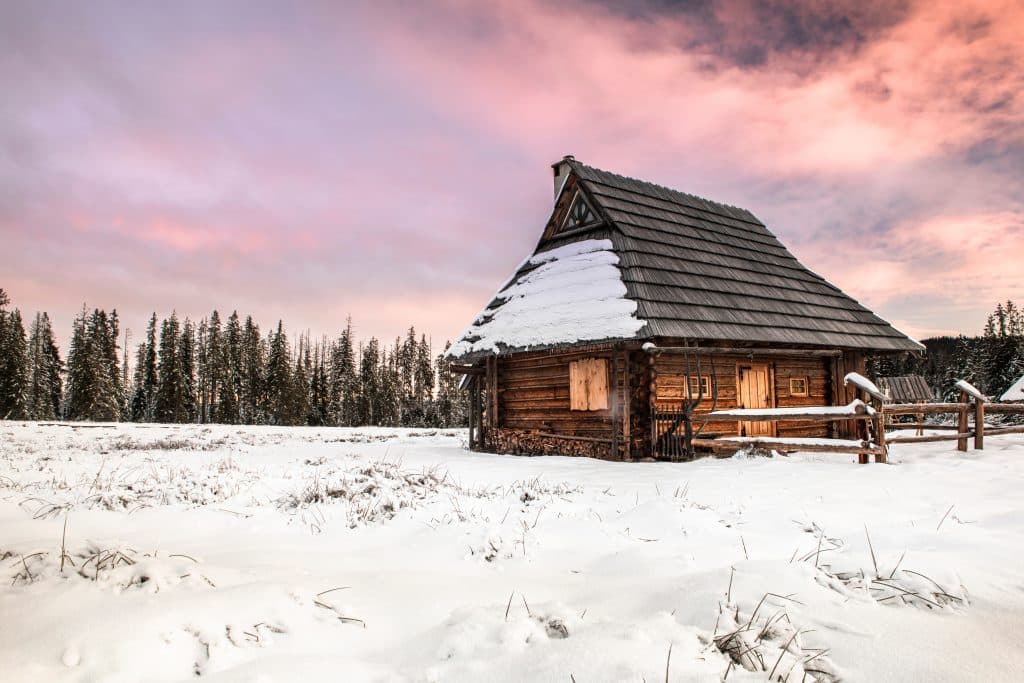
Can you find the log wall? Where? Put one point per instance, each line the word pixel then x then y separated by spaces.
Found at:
pixel 529 412
pixel 533 401
pixel 671 386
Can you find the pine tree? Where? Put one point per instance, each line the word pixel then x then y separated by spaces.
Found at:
pixel 143 404
pixel 278 382
pixel 231 367
pixel 319 400
pixel 13 363
pixel 253 362
pixel 298 408
pixel 79 378
pixel 45 385
pixel 187 362
pixel 343 382
pixel 169 402
pixel 214 369
pixel 424 382
pixel 94 379
pixel 368 401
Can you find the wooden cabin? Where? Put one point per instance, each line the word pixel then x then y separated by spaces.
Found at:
pixel 639 300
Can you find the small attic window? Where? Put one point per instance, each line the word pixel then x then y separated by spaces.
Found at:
pixel 579 214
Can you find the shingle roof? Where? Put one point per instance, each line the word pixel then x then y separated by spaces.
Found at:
pixel 702 270
pixel 906 388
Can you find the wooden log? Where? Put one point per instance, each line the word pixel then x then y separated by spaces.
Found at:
pixel 724 444
pixel 979 425
pixel 959 436
pixel 570 437
pixel 879 424
pixel 615 407
pixel 1005 408
pixel 919 425
pixel 627 400
pixel 465 370
pixel 961 422
pixel 1019 429
pixel 775 417
pixel 746 353
pixel 926 408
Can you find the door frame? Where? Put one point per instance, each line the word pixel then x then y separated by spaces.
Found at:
pixel 769 368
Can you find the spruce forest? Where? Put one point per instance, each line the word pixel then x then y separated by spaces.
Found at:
pixel 220 371
pixel 228 371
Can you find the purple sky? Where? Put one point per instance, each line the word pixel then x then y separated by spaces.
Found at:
pixel 390 161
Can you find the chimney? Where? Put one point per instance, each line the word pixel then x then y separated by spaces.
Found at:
pixel 561 169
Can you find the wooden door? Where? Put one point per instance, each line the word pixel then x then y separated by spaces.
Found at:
pixel 754 390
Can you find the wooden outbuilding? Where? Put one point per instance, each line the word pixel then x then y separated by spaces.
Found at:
pixel 906 389
pixel 1015 393
pixel 640 309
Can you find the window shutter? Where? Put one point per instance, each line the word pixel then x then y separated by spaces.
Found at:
pixel 588 384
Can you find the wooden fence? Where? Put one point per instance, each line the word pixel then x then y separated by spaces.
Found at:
pixel 869 424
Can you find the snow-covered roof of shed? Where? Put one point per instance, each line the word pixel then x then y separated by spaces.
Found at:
pixel 692 268
pixel 1015 392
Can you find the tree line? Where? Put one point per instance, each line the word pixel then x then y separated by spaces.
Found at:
pixel 230 372
pixel 992 361
pixel 218 371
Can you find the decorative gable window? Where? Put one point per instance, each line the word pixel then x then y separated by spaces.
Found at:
pixel 588 384
pixel 579 214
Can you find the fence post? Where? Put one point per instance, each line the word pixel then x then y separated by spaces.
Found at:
pixel 862 431
pixel 961 423
pixel 883 455
pixel 979 424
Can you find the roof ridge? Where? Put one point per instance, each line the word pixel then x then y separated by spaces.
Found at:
pixel 577 162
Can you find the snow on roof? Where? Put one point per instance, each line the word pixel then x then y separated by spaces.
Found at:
pixel 570 294
pixel 1015 392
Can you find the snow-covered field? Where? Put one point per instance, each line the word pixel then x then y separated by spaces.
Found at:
pixel 151 553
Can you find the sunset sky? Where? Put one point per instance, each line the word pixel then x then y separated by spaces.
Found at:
pixel 308 161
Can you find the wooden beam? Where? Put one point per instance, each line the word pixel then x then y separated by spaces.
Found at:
pixel 979 425
pixel 465 369
pixel 1005 430
pixel 626 408
pixel 569 437
pixel 927 408
pixel 961 422
pixel 492 388
pixel 738 350
pixel 779 445
pixel 1005 408
pixel 933 437
pixel 615 407
pixel 754 416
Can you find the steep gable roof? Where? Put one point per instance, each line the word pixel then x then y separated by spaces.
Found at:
pixel 695 269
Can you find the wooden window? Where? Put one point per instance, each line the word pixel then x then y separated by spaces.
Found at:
pixel 798 386
pixel 588 384
pixel 579 214
pixel 695 388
